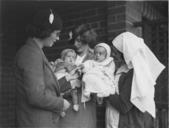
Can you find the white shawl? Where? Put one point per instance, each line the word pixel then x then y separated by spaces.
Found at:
pixel 146 70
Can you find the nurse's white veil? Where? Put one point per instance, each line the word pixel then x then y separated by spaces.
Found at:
pixel 146 70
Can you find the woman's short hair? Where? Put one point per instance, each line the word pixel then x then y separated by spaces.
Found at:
pixel 86 33
pixel 41 27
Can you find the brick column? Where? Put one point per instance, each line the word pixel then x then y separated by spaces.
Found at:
pixel 133 14
pixel 121 16
pixel 116 18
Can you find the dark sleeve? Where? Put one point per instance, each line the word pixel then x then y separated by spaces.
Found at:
pixel 31 63
pixel 64 85
pixel 122 101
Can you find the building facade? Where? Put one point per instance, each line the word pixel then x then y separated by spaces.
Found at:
pixel 147 19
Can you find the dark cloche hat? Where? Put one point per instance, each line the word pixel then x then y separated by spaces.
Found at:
pixel 47 19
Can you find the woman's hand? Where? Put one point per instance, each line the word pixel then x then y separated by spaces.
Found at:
pixel 71 76
pixel 66 105
pixel 58 61
pixel 81 67
pixel 75 83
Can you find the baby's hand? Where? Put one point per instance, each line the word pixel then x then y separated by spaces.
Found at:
pixel 73 76
pixel 81 66
pixel 58 61
pixel 75 83
pixel 72 72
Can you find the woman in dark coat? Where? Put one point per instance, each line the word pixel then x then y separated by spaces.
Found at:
pixel 137 71
pixel 39 103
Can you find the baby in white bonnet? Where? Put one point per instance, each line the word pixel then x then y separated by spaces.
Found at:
pixel 99 73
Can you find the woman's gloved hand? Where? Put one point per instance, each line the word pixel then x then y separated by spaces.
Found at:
pixel 66 105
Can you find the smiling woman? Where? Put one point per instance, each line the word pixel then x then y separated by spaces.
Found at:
pixel 49 41
pixel 39 103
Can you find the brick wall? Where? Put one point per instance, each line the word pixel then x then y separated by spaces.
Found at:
pixel 115 18
pixel 7 88
pixel 10 31
pixel 133 14
pixel 107 18
pixel 7 95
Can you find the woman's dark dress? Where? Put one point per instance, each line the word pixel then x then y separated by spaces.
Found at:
pixel 130 116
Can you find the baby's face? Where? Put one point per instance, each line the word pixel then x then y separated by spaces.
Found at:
pixel 100 54
pixel 70 58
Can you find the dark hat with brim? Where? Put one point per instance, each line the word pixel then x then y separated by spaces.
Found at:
pixel 47 19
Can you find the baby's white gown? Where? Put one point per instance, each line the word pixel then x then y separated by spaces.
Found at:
pixel 98 78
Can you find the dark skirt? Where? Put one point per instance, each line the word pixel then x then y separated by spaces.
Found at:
pixel 84 118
